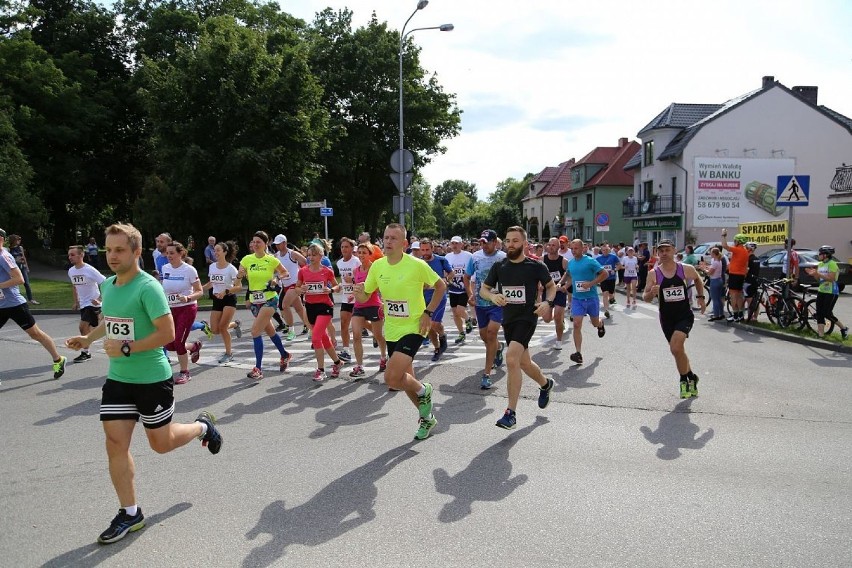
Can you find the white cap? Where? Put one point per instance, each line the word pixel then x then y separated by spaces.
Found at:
pixel 279 239
pixel 415 245
pixel 456 239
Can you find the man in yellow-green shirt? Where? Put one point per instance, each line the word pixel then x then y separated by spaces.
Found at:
pixel 400 279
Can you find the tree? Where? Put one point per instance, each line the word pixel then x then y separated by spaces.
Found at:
pixel 21 207
pixel 446 191
pixel 236 130
pixel 424 221
pixel 359 74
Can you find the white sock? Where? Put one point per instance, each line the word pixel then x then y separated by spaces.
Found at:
pixel 131 510
pixel 422 391
pixel 203 428
pixel 86 351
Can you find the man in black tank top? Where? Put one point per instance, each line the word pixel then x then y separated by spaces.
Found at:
pixel 670 281
pixel 556 265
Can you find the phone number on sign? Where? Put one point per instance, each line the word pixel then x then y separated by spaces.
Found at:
pixel 717 204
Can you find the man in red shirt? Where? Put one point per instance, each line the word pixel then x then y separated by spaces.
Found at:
pixel 737 270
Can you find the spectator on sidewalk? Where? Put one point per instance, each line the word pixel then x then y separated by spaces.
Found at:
pixel 92 253
pixel 18 253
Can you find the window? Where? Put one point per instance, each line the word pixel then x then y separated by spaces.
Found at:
pixel 588 201
pixel 648 153
pixel 587 233
pixel 647 190
pixel 674 188
pixel 574 203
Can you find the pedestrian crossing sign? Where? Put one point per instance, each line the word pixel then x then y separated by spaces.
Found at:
pixel 793 191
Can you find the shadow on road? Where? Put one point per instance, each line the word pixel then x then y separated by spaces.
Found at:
pixel 577 377
pixel 344 504
pixel 675 432
pixel 94 553
pixel 354 412
pixel 487 478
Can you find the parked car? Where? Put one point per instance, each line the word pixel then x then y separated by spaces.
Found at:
pixel 771 252
pixel 773 267
pixel 703 251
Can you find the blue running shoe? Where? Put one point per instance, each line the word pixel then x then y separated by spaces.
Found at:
pixel 121 525
pixel 485 383
pixel 212 439
pixel 508 420
pixel 498 358
pixel 544 394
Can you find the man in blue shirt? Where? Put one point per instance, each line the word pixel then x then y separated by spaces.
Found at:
pixel 608 262
pixel 489 317
pixel 586 274
pixel 442 268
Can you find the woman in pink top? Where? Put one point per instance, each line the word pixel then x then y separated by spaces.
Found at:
pixel 317 282
pixel 366 314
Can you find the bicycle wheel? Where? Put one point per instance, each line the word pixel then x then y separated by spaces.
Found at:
pixel 773 307
pixel 810 315
pixel 785 313
pixel 801 314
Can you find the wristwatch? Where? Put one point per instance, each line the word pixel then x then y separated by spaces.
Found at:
pixel 428 312
pixel 125 348
pixel 549 302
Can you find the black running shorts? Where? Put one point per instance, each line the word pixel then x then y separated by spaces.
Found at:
pixel 154 403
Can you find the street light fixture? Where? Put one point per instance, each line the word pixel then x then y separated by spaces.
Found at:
pixel 401 153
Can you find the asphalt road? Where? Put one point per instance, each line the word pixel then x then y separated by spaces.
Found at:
pixel 616 471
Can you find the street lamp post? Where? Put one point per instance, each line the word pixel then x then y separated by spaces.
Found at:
pixel 401 169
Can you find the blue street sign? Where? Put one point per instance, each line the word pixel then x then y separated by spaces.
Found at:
pixel 326 212
pixel 793 191
pixel 602 219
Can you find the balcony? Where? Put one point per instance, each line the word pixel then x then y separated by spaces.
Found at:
pixel 657 205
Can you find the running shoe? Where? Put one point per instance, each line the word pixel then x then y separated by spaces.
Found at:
pixel 82 357
pixel 225 358
pixel 612 301
pixel 508 420
pixel 304 330
pixel 436 355
pixel 212 438
pixel 35 302
pixel 238 331
pixel 205 327
pixel 606 314
pixel 601 330
pixel 383 364
pixel 357 372
pixel 844 333
pixel 498 358
pixel 442 342
pixel 558 345
pixel 468 325
pixel 282 328
pixel 544 394
pixel 284 361
pixel 121 525
pixel 425 342
pixel 291 335
pixel 693 385
pixel 375 343
pixel 426 425
pixel 335 368
pixel 576 357
pixel 195 352
pixel 345 356
pixel 319 376
pixel 365 333
pixel 424 403
pixel 684 389
pixel 255 374
pixel 460 339
pixel 485 383
pixel 59 367
pixel 182 378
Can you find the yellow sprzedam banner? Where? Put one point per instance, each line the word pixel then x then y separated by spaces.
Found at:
pixel 766 232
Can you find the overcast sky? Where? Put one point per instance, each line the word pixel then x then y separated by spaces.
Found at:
pixel 543 81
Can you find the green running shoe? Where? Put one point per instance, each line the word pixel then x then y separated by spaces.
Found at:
pixel 693 385
pixel 59 367
pixel 426 425
pixel 424 403
pixel 684 389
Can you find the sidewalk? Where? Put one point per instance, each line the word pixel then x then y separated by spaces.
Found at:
pixel 843 311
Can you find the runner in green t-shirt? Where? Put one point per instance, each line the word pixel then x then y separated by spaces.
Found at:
pixel 400 279
pixel 826 273
pixel 137 324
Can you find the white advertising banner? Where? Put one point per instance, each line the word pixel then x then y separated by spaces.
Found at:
pixel 731 191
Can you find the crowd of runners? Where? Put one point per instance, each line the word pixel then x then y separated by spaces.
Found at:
pixel 394 290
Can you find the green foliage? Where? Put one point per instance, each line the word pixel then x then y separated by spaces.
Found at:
pixel 21 208
pixel 446 191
